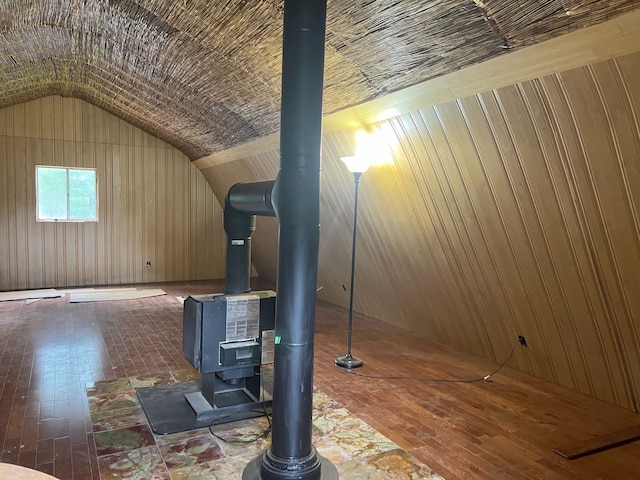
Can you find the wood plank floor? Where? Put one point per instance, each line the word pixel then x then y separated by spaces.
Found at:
pixel 503 428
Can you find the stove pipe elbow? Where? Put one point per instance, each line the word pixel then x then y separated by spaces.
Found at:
pixel 241 205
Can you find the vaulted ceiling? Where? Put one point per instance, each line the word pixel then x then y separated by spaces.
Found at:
pixel 205 76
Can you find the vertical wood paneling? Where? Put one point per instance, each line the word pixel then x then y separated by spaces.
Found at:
pixel 546 195
pixel 34 231
pixel 193 213
pixel 18 121
pixel 137 208
pixel 173 263
pixel 184 221
pixel 423 201
pixel 625 153
pixel 3 123
pixel 145 198
pixel 58 117
pixel 5 266
pixel 47 118
pixel 33 120
pixel 68 119
pixel 11 261
pixel 150 232
pixel 627 74
pixel 160 245
pixel 119 234
pixel 180 247
pixel 526 234
pixel 102 255
pixel 511 212
pixel 20 198
pixel 603 179
pixel 455 197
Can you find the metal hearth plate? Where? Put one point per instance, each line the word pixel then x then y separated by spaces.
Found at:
pixel 168 412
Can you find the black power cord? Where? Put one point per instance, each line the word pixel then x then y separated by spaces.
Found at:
pixel 264 434
pixel 427 379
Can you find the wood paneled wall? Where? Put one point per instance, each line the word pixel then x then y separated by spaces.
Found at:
pixel 511 212
pixel 153 204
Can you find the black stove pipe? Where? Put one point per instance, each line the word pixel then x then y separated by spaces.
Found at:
pixel 241 205
pixel 296 201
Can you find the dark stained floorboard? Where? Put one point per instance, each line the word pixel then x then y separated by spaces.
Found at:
pixel 503 428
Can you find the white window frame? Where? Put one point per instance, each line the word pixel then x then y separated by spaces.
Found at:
pixel 67 219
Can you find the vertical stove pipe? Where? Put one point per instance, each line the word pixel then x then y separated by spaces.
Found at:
pixel 241 205
pixel 296 201
pixel 239 226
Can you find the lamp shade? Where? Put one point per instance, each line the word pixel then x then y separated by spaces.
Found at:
pixel 356 164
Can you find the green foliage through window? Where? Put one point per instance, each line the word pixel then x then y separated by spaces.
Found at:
pixel 66 194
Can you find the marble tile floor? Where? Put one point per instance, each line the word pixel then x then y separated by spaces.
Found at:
pixel 126 447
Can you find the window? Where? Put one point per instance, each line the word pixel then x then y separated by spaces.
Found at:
pixel 66 194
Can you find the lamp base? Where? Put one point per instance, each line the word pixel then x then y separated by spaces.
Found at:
pixel 348 361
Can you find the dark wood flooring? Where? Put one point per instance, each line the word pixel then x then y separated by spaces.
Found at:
pixel 502 428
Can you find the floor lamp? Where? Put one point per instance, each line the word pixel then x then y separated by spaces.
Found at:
pixel 357 166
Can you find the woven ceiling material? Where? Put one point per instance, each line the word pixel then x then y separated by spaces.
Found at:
pixel 205 76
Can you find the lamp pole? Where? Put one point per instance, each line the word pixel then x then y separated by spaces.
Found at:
pixel 348 360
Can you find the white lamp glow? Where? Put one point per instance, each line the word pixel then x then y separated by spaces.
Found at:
pixel 357 163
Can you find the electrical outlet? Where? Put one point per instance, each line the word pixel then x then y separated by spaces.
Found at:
pixel 522 340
